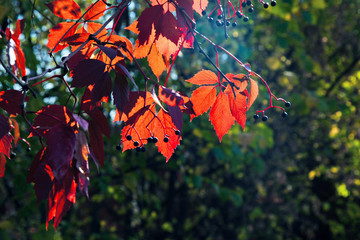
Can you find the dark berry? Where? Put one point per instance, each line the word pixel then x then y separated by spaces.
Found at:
pixel 234 24
pixel 266 5
pixel 256 116
pixel 264 118
pixel 143 149
pixel 219 23
pixel 177 132
pixel 246 19
pixel 28 149
pixel 166 139
pixel 12 155
pixel 284 114
pixel 228 23
pixel 203 13
pixel 248 3
pixel 155 140
pixel 138 149
pixel 136 143
pixel 118 147
pixel 251 10
pixel 150 139
pixel 273 3
pixel 288 104
pixel 210 19
pixel 220 16
pixel 243 4
pixel 128 137
pixel 238 14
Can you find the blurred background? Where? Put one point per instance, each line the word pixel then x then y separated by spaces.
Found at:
pixel 293 178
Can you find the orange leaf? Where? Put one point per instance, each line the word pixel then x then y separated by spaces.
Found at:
pixel 240 80
pixel 204 77
pixel 16 131
pixel 203 98
pixel 57 32
pixel 254 92
pixel 66 9
pixel 238 108
pixel 96 11
pixel 220 115
pixel 162 121
pixel 156 61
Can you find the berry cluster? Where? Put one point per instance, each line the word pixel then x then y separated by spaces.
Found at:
pixel 226 14
pixel 140 146
pixel 265 117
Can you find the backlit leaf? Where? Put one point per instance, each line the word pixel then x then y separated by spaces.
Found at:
pixel 66 9
pixel 220 115
pixel 204 77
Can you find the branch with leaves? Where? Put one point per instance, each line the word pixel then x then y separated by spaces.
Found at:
pixel 99 63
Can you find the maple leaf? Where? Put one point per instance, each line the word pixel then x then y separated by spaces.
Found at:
pixel 228 106
pixel 15 52
pixel 2 164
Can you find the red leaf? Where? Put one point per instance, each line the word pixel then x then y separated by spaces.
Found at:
pixel 101 121
pixel 66 9
pixel 156 61
pixel 5 144
pixel 98 125
pixel 121 92
pixel 170 97
pixel 40 174
pixel 96 11
pixel 102 88
pixel 240 80
pixel 148 17
pixel 10 101
pixel 203 98
pixel 2 164
pixel 4 126
pixel 61 197
pixel 50 116
pixel 88 72
pixel 96 142
pixel 220 115
pixel 254 92
pixel 167 26
pixel 57 32
pixel 238 108
pixel 204 77
pixel 61 141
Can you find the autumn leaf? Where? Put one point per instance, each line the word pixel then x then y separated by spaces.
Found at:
pixel 11 100
pixel 66 9
pixel 228 106
pixel 170 97
pixel 95 10
pixel 221 116
pixel 14 50
pixel 254 92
